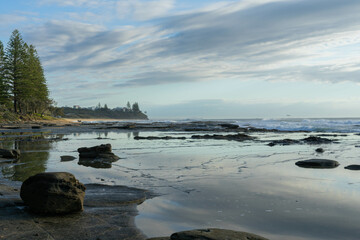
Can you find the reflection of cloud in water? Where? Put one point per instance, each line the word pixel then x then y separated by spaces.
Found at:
pixel 302 209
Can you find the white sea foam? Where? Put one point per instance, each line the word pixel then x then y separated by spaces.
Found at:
pixel 316 125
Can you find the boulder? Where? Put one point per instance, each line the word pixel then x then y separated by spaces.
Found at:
pixel 353 167
pixel 212 234
pixel 13 153
pixel 102 151
pixel 317 163
pixel 53 193
pixel 97 157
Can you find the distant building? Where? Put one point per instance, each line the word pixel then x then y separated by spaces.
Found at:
pixel 76 107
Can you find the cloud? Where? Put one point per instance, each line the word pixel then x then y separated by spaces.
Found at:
pixel 263 40
pixel 143 10
pixel 11 19
pixel 72 3
pixel 73 45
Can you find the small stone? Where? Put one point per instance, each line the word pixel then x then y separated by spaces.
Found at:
pixel 318 163
pixel 353 167
pixel 67 158
pixel 319 150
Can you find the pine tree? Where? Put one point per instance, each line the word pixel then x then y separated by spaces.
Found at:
pixel 14 67
pixel 35 92
pixel 135 107
pixel 4 93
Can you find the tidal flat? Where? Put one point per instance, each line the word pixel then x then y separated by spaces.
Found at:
pixel 243 185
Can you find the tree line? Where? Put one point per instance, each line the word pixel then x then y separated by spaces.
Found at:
pixel 129 112
pixel 23 87
pixel 129 108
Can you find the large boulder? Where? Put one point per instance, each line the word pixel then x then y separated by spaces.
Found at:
pixel 13 153
pixel 211 234
pixel 318 163
pixel 53 193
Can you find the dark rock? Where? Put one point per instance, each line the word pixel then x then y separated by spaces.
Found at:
pixel 53 193
pixel 14 153
pixel 36 127
pixel 230 137
pixel 319 150
pixel 212 234
pixel 67 158
pixel 317 163
pixel 332 135
pixel 229 126
pixel 159 138
pixel 316 140
pixel 353 167
pixel 308 140
pixel 101 152
pixel 283 142
pixel 94 151
pixel 97 157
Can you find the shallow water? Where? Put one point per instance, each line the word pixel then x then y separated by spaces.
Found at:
pixel 245 186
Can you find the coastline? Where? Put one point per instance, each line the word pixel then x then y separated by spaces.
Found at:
pixel 159 161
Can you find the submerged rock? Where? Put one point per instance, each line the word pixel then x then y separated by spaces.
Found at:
pixel 229 126
pixel 159 138
pixel 308 140
pixel 211 234
pixel 230 137
pixel 316 140
pixel 67 158
pixel 13 153
pixel 353 167
pixel 53 193
pixel 318 163
pixel 283 142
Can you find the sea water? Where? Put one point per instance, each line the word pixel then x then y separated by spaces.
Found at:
pixel 246 186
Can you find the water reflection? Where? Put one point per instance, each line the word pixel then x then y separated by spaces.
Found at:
pixel 95 162
pixel 34 155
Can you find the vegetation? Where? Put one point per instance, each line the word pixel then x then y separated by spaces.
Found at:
pixel 24 94
pixel 23 88
pixel 127 112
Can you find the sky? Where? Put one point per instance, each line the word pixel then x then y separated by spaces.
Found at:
pixel 198 58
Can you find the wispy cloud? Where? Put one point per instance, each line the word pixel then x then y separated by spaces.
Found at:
pixel 11 19
pixel 144 10
pixel 264 39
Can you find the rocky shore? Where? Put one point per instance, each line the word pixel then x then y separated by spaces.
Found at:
pixel 110 215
